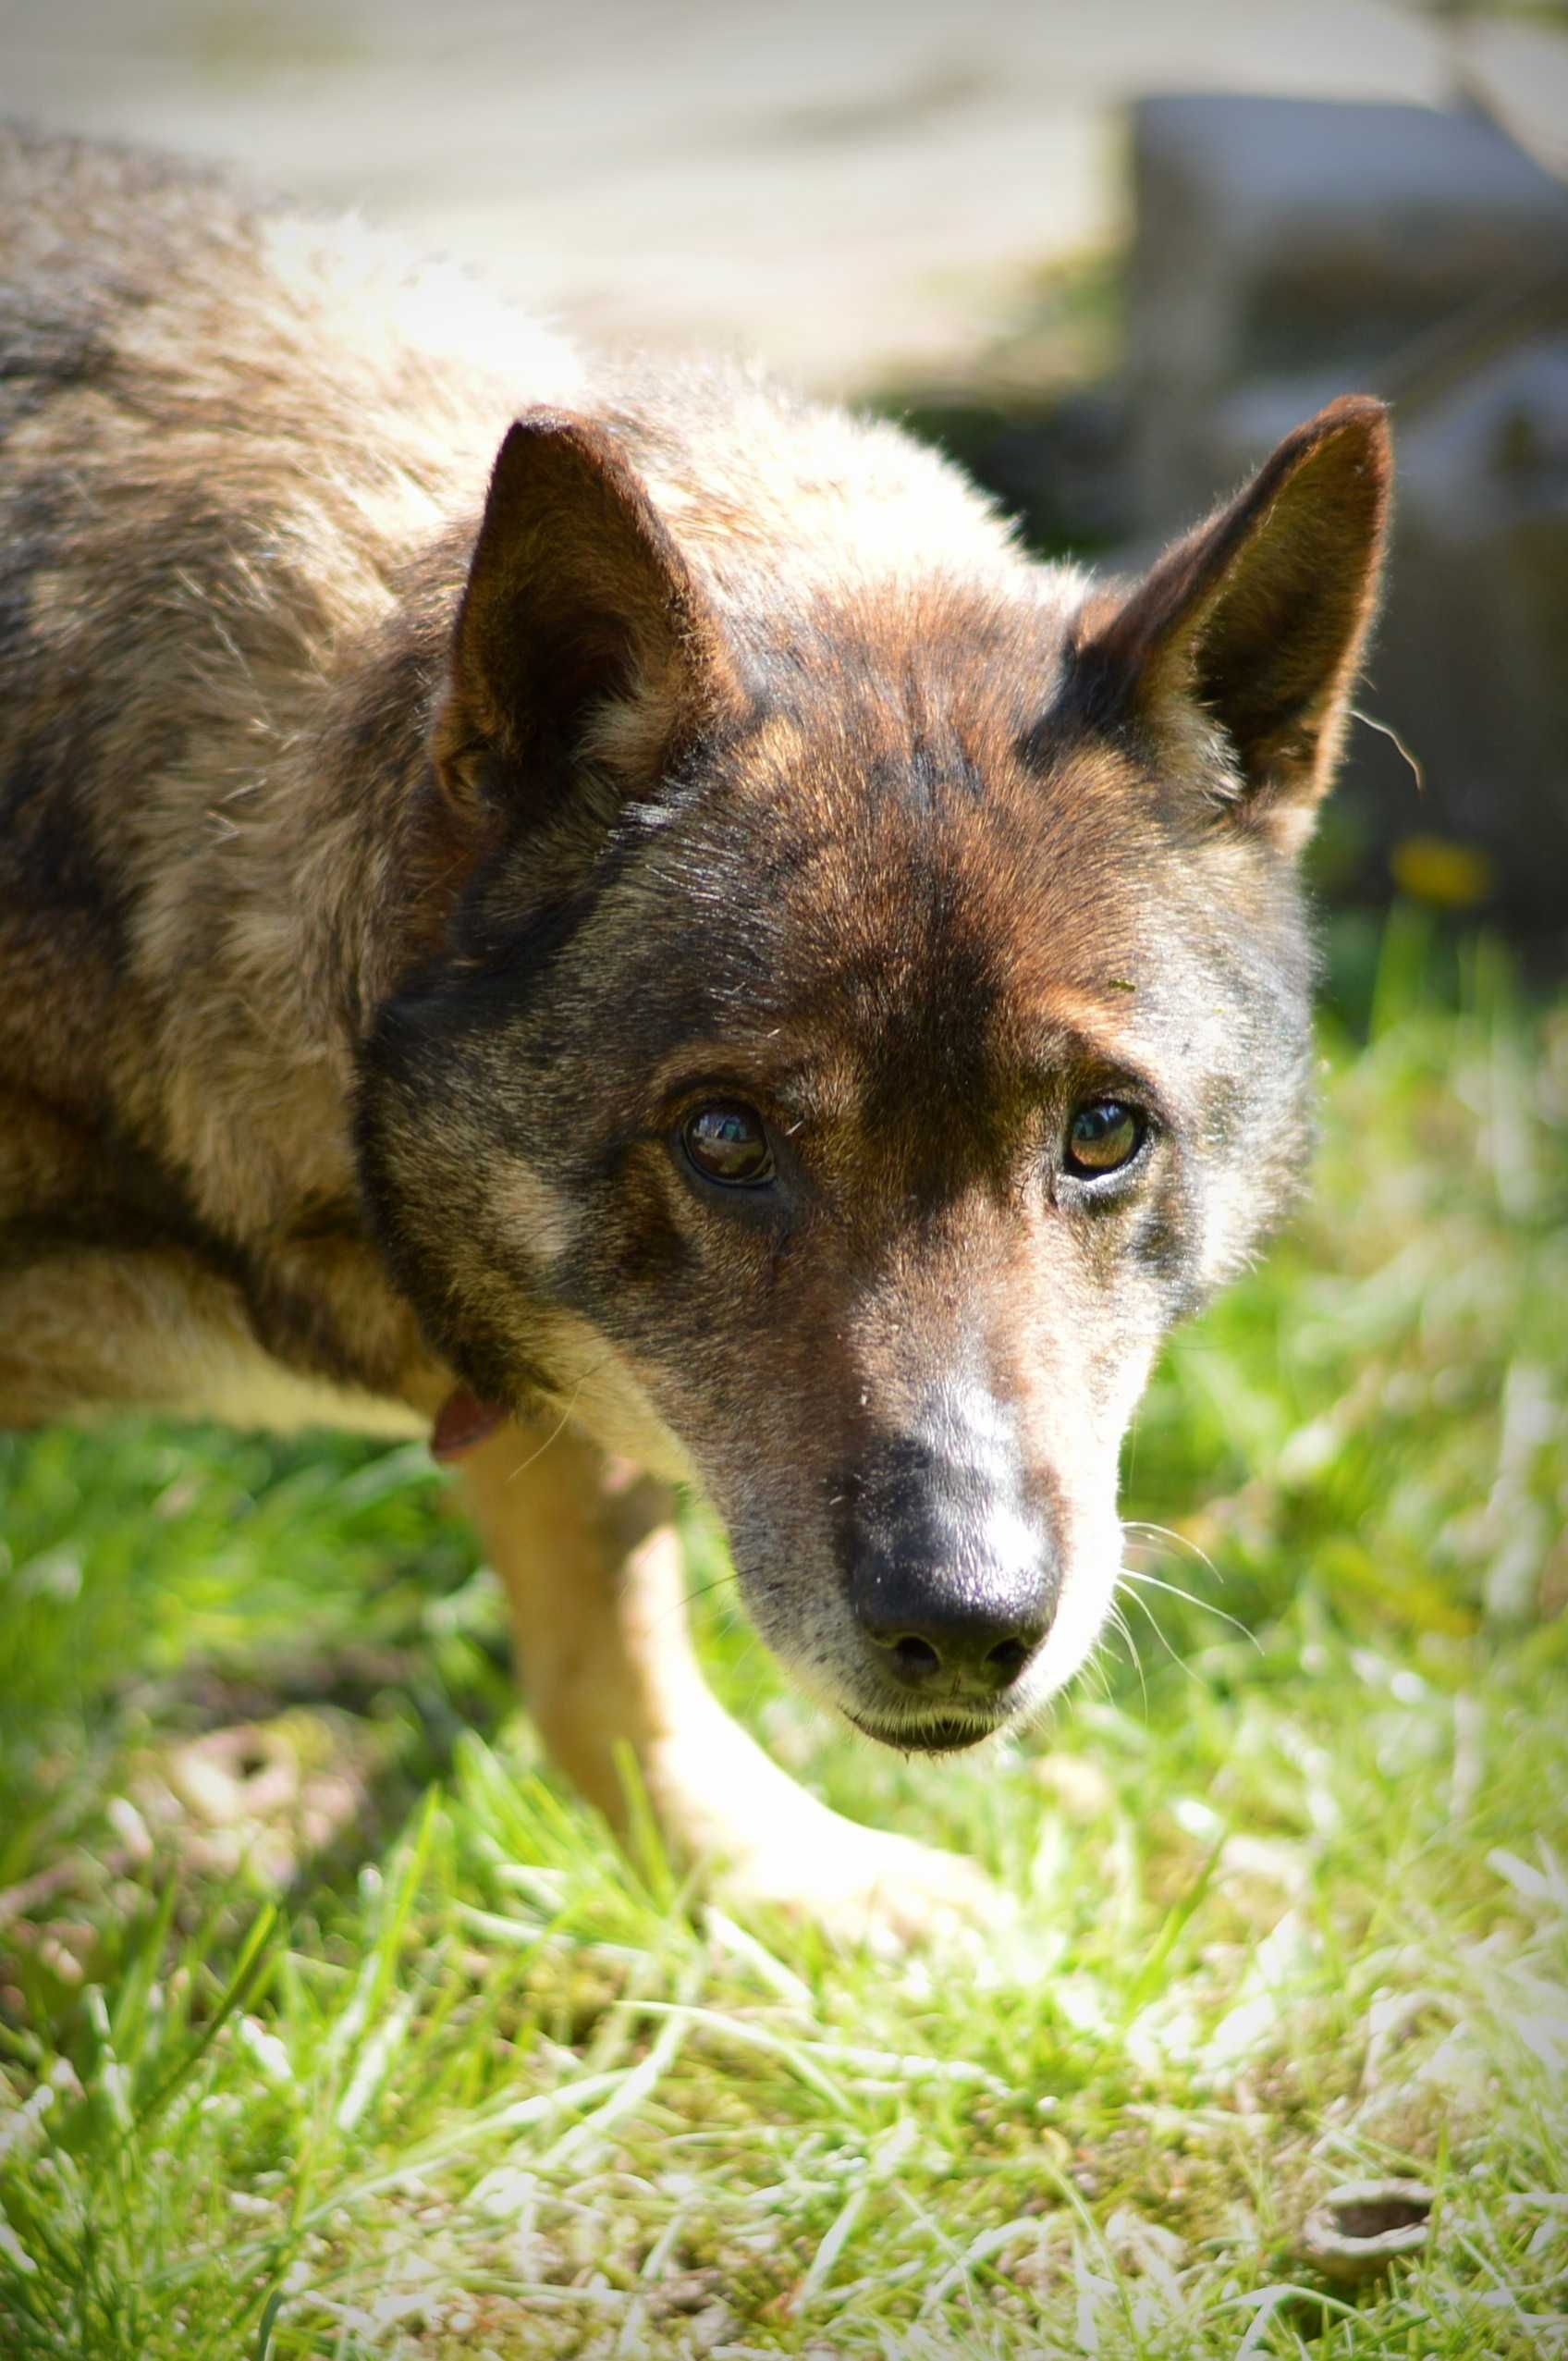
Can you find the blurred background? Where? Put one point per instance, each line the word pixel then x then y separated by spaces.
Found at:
pixel 1106 253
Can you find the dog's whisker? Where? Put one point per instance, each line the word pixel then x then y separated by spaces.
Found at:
pixel 1206 1606
pixel 1178 1540
pixel 1164 1638
pixel 1116 1622
pixel 564 1420
pixel 707 1590
pixel 554 1436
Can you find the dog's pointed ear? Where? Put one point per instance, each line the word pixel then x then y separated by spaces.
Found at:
pixel 1240 648
pixel 583 641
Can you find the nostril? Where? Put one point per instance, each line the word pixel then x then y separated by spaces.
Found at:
pixel 1008 1658
pixel 914 1654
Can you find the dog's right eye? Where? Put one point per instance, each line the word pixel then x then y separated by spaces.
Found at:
pixel 728 1144
pixel 1103 1136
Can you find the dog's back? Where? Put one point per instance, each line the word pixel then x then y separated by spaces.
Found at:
pixel 224 434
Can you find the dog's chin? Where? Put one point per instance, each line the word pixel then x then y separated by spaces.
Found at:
pixel 927 1735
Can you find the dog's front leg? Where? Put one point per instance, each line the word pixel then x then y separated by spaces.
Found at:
pixel 591 1569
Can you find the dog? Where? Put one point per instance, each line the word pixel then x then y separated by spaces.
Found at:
pixel 609 916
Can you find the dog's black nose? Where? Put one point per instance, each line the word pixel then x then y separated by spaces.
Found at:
pixel 955 1601
pixel 961 1648
pixel 953 1574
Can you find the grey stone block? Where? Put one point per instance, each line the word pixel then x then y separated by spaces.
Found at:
pixel 1280 237
pixel 1288 251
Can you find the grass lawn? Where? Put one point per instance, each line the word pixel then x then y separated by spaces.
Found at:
pixel 328 2026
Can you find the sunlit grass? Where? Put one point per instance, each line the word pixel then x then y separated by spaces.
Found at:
pixel 329 2027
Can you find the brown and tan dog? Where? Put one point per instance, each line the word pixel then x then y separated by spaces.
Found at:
pixel 697 958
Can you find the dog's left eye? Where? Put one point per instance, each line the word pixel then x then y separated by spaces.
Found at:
pixel 728 1144
pixel 1103 1135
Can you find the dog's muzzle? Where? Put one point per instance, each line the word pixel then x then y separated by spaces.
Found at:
pixel 953 1583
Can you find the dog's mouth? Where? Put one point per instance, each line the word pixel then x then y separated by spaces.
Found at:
pixel 948 1735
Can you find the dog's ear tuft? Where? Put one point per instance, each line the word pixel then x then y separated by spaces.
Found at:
pixel 1240 648
pixel 582 639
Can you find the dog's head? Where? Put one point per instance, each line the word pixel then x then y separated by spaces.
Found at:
pixel 865 1027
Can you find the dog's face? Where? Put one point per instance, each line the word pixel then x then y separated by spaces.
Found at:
pixel 868 1048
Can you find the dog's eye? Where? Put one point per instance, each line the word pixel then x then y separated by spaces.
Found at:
pixel 1103 1136
pixel 728 1144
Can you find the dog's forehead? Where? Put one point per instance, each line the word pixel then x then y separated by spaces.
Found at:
pixel 904 876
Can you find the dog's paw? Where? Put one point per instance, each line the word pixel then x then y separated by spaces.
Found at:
pixel 862 1886
pixel 757 1842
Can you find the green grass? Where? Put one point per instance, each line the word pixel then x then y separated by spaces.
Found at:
pixel 329 2027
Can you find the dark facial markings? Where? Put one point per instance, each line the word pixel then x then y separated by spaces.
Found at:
pixel 763 1145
